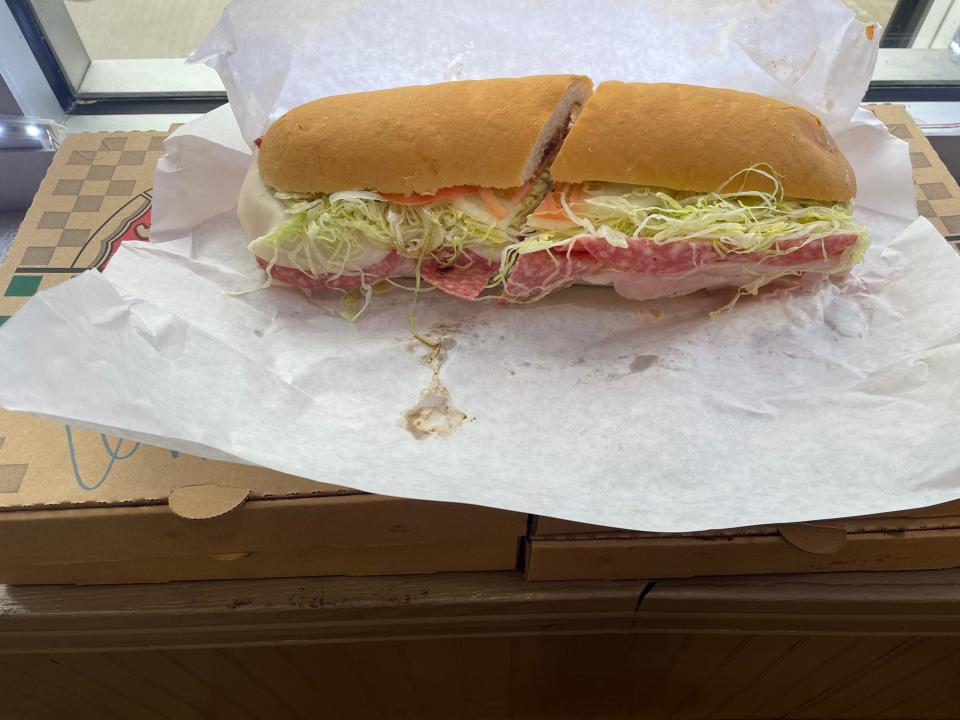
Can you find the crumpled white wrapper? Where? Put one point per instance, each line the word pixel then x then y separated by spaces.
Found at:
pixel 584 406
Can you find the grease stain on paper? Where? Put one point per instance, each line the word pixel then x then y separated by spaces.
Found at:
pixel 642 362
pixel 435 413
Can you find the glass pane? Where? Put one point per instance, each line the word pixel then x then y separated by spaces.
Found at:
pixel 135 47
pixel 920 44
pixel 136 29
pixel 872 10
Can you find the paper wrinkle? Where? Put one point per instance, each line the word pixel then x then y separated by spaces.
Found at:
pixel 183 195
pixel 781 41
pixel 881 164
pixel 586 406
pixel 140 266
pixel 261 59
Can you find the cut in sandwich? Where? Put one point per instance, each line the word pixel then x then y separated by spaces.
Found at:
pixel 430 182
pixel 665 189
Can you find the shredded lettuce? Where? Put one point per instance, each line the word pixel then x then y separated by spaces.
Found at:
pixel 743 221
pixel 331 234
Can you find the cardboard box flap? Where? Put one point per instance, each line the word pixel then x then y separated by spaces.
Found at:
pixel 816 539
pixel 203 502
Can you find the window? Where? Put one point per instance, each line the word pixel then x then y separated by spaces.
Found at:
pixel 918 59
pixel 122 56
pixel 126 56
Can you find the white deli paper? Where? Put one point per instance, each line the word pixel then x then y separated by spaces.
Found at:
pixel 584 406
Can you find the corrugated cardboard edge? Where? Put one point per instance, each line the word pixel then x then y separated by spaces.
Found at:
pixel 677 557
pixel 932 517
pixel 202 502
pixel 162 499
pixel 815 539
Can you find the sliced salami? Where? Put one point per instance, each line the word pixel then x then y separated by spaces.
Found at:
pixel 808 252
pixel 537 273
pixel 370 274
pixel 465 277
pixel 643 255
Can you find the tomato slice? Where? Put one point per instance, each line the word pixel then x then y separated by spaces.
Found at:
pixel 552 215
pixel 449 193
pixel 551 209
pixel 493 203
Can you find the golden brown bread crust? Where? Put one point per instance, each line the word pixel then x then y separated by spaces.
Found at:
pixel 416 139
pixel 687 137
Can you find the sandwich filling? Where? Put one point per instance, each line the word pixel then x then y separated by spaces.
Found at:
pixel 654 242
pixel 520 244
pixel 453 240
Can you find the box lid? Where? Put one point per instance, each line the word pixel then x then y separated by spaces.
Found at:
pixel 47 465
pixel 96 195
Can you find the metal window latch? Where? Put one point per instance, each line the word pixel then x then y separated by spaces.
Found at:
pixel 20 133
pixel 27 146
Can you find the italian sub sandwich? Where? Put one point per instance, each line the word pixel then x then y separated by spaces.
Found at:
pixel 513 188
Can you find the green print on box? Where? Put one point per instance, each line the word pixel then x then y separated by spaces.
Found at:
pixel 23 285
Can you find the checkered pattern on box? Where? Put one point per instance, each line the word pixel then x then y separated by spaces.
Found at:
pixel 92 177
pixel 938 194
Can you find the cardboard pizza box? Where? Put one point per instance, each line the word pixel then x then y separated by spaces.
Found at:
pixel 81 507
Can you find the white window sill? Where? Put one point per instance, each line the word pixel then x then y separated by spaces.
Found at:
pixel 119 123
pixel 161 76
